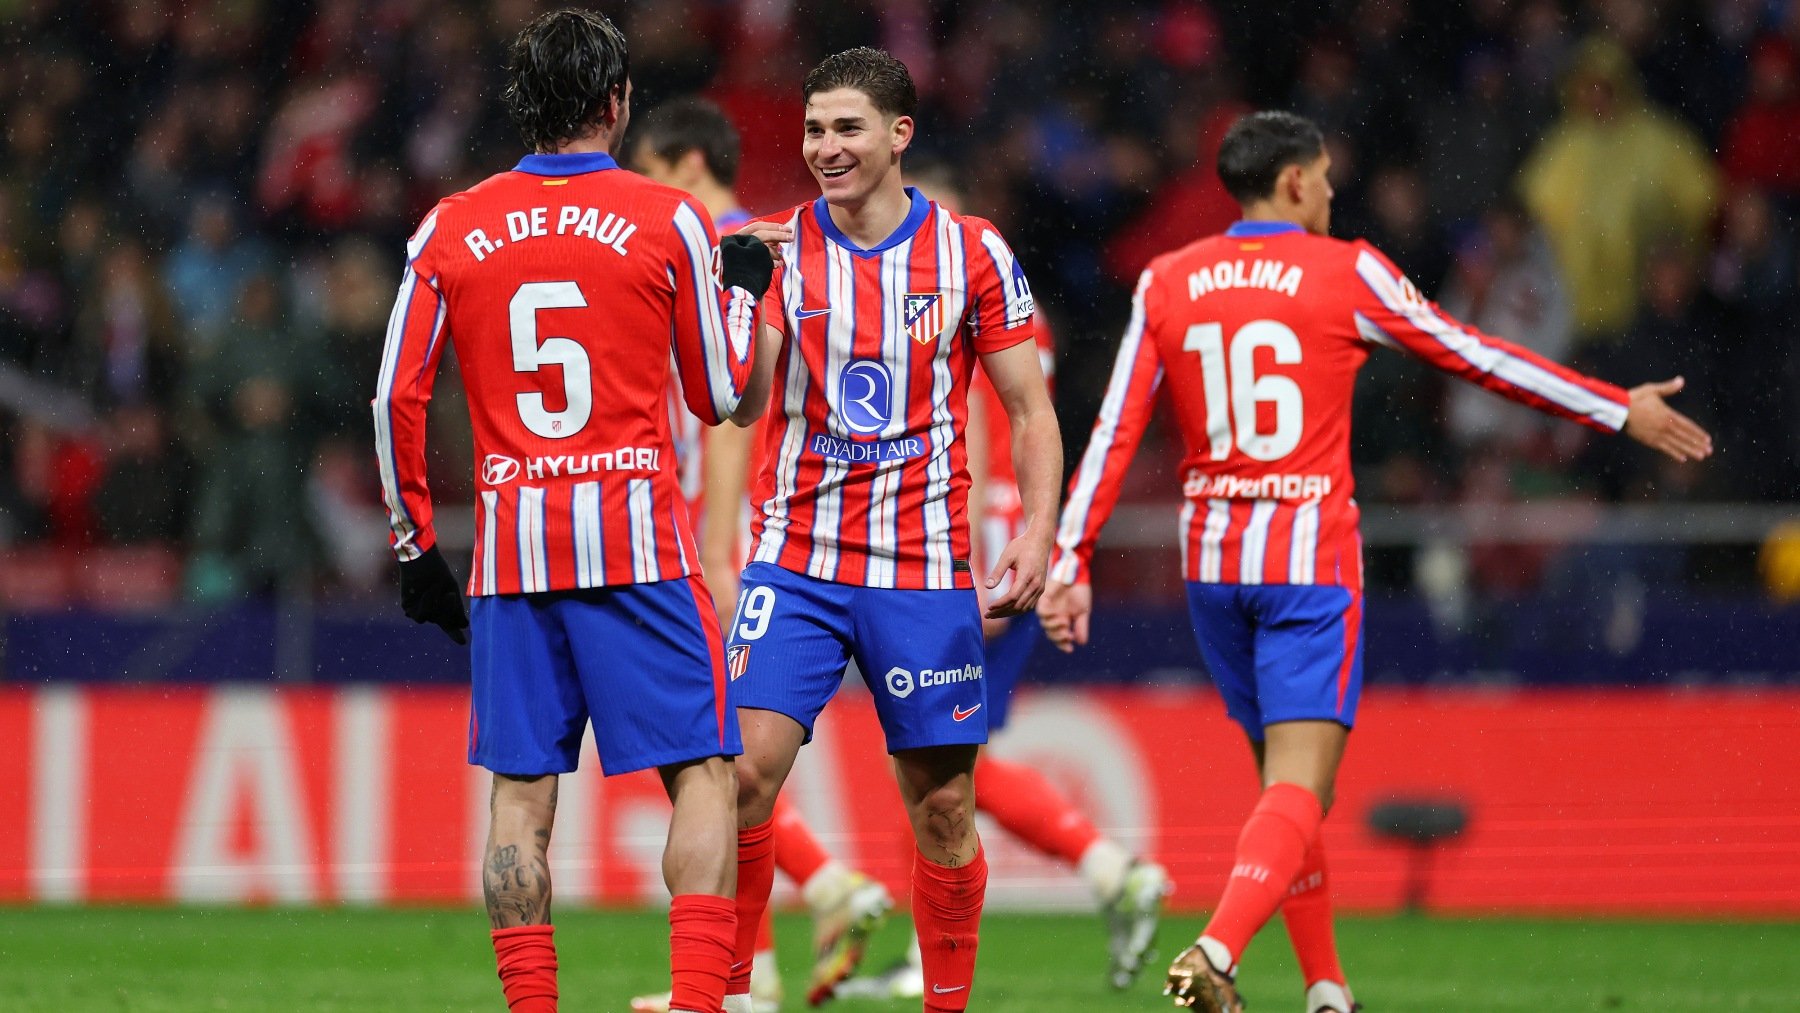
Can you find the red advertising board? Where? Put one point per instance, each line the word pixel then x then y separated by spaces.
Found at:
pixel 1626 802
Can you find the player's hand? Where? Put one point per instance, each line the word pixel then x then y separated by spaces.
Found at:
pixel 429 593
pixel 745 263
pixel 1028 557
pixel 1653 423
pixel 1064 611
pixel 770 234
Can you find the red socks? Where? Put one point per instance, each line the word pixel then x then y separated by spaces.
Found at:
pixel 702 933
pixel 756 877
pixel 1270 851
pixel 946 910
pixel 1032 809
pixel 765 932
pixel 798 854
pixel 1307 911
pixel 527 958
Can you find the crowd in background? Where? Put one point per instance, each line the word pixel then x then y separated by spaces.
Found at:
pixel 203 209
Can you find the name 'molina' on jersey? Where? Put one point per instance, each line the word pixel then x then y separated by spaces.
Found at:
pixel 864 480
pixel 577 481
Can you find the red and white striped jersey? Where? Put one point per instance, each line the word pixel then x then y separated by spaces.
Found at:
pixel 865 477
pixel 571 289
pixel 1260 332
pixel 1002 517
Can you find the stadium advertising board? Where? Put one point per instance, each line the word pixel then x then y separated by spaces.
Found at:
pixel 1616 801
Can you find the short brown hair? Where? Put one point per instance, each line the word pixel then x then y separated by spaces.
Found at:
pixel 691 124
pixel 874 72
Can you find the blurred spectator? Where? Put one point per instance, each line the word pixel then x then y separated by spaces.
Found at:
pixel 250 529
pixel 1504 282
pixel 205 273
pixel 1474 138
pixel 1399 223
pixel 1752 279
pixel 30 300
pixel 123 350
pixel 1675 334
pixel 1611 177
pixel 1762 141
pixel 140 496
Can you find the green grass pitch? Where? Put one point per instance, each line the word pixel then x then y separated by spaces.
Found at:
pixel 156 959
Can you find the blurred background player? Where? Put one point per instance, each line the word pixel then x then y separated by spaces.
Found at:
pixel 569 560
pixel 690 144
pixel 1025 803
pixel 862 546
pixel 1260 332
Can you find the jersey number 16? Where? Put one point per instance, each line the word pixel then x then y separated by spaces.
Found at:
pixel 1236 401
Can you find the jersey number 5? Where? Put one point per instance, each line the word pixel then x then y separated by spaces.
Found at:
pixel 529 355
pixel 1236 401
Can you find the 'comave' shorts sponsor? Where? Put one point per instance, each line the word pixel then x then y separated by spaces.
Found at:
pixel 1281 652
pixel 919 651
pixel 643 661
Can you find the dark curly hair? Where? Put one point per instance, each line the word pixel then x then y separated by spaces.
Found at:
pixel 874 72
pixel 562 73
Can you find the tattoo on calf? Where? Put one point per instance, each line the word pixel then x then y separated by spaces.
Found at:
pixel 517 892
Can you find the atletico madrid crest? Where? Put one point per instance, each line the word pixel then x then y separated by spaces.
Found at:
pixel 924 316
pixel 737 658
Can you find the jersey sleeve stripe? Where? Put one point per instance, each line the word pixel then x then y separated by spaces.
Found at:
pixel 415 246
pixel 1371 332
pixel 1571 397
pixel 716 345
pixel 400 518
pixel 1018 303
pixel 1073 531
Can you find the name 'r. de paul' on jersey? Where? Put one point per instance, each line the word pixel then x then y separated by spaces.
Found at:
pixel 876 375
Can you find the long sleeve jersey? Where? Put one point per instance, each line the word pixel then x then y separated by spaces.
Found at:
pixel 574 292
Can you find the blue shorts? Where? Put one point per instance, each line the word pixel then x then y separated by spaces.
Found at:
pixel 643 661
pixel 1281 652
pixel 919 651
pixel 1007 655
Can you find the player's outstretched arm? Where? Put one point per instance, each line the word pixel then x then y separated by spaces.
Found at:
pixel 1018 377
pixel 1653 423
pixel 1064 611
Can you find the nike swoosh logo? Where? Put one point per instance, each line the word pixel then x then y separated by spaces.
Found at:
pixel 958 714
pixel 941 990
pixel 740 965
pixel 807 314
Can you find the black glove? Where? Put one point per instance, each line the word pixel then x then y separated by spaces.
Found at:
pixel 744 262
pixel 429 593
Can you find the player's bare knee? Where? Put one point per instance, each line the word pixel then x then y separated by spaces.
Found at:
pixel 944 816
